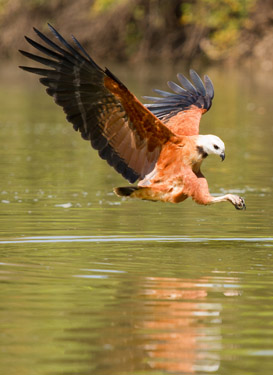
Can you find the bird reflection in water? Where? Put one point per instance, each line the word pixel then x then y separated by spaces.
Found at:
pixel 185 334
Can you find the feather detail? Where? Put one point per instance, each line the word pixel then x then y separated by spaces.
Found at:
pixel 125 133
pixel 172 108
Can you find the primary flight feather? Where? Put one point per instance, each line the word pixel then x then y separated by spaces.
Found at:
pixel 158 144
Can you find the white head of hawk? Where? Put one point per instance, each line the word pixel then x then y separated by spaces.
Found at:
pixel 211 144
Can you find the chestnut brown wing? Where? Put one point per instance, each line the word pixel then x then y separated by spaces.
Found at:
pixel 124 132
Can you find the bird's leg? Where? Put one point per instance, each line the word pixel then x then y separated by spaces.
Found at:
pixel 199 191
pixel 238 202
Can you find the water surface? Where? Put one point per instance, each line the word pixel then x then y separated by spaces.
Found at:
pixel 95 284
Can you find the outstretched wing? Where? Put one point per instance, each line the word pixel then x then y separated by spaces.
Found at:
pixel 181 111
pixel 124 132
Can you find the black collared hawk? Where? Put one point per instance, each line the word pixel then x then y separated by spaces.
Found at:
pixel 156 144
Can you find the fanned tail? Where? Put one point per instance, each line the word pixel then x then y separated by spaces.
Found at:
pixel 138 192
pixel 125 191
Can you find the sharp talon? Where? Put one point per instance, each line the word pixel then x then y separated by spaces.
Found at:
pixel 241 205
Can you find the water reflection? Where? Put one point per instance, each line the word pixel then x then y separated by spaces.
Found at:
pixel 117 307
pixel 176 347
pixel 172 323
pixel 180 313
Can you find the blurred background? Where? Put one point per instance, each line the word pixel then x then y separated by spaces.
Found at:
pixel 229 31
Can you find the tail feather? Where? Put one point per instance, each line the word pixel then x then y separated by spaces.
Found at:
pixel 151 194
pixel 140 192
pixel 125 191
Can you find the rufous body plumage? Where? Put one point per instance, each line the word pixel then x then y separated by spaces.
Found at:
pixel 157 144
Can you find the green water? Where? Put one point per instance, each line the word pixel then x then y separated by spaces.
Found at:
pixel 94 284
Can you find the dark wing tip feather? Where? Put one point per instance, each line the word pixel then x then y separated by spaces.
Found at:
pixel 163 93
pixel 209 87
pixel 187 84
pixel 175 87
pixel 64 42
pixel 198 82
pixel 55 32
pixel 77 84
pixel 197 93
pixel 78 44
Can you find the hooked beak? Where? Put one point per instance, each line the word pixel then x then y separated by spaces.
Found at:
pixel 222 156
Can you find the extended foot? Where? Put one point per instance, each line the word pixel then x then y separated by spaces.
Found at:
pixel 238 202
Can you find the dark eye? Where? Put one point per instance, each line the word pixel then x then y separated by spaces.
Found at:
pixel 216 147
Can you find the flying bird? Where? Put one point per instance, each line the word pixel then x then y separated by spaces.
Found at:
pixel 157 144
